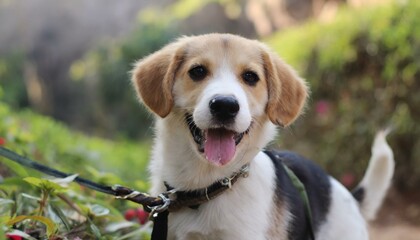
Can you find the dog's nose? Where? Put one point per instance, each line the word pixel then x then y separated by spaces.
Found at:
pixel 224 108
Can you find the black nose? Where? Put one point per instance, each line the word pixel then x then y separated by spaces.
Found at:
pixel 224 108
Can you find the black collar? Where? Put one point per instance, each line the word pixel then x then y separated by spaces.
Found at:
pixel 174 200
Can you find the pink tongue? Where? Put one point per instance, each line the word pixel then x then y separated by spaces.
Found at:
pixel 220 146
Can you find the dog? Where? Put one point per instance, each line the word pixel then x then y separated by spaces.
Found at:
pixel 218 100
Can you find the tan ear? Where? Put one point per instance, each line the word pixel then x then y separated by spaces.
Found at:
pixel 153 78
pixel 287 92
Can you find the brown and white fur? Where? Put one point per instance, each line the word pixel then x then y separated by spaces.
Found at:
pixel 183 79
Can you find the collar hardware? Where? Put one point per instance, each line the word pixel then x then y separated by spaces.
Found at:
pixel 178 199
pixel 227 181
pixel 162 207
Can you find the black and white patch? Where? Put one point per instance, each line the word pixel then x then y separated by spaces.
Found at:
pixel 317 185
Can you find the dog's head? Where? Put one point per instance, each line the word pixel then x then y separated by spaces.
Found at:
pixel 223 86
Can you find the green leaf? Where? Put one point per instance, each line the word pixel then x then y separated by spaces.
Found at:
pixel 65 181
pixel 15 167
pixel 4 201
pixel 37 182
pixel 44 184
pixel 25 195
pixel 94 229
pixel 5 207
pixel 3 220
pixel 60 215
pixel 116 226
pixel 98 210
pixel 51 227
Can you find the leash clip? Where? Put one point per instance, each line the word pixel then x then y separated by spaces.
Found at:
pixel 166 197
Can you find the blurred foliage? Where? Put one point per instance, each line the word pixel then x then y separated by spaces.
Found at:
pixel 182 9
pixel 105 74
pixel 11 75
pixel 363 70
pixel 52 143
pixel 64 209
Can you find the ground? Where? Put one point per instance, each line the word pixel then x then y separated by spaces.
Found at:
pixel 399 218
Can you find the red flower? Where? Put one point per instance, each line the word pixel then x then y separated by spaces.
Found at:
pixel 13 237
pixel 322 107
pixel 2 141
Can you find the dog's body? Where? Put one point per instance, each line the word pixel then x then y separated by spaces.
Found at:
pixel 219 98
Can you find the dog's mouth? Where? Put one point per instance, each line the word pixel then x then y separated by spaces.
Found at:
pixel 217 144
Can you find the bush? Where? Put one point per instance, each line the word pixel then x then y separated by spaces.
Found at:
pixel 363 70
pixel 11 78
pixel 52 143
pixel 105 73
pixel 55 211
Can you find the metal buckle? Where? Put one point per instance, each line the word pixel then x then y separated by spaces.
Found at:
pixel 167 198
pixel 160 208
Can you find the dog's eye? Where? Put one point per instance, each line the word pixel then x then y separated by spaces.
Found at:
pixel 250 78
pixel 197 73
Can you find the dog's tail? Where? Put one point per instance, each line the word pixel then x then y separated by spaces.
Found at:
pixel 374 185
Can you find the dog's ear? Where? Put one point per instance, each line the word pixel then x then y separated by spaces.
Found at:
pixel 287 92
pixel 153 78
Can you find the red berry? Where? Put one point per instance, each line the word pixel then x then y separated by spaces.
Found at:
pixel 142 216
pixel 2 141
pixel 130 214
pixel 13 237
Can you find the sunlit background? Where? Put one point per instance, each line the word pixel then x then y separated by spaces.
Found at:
pixel 66 99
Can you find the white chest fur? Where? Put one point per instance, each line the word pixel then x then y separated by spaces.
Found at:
pixel 239 213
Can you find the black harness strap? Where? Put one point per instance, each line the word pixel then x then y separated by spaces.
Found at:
pixel 160 226
pixel 304 197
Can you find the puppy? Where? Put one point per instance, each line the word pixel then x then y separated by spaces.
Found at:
pixel 218 99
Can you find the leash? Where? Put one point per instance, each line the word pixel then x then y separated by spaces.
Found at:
pixel 159 207
pixel 117 191
pixel 304 196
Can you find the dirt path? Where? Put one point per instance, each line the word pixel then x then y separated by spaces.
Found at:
pixel 394 232
pixel 398 219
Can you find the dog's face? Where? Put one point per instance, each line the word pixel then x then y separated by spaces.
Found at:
pixel 223 87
